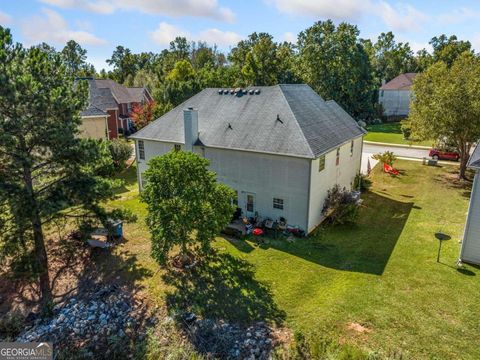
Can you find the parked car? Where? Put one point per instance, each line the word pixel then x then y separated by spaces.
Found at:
pixel 444 154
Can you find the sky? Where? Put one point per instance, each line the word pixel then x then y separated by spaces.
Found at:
pixel 149 25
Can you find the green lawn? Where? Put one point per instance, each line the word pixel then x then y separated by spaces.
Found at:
pixel 381 273
pixel 391 133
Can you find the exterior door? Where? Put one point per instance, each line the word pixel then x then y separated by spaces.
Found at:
pixel 250 204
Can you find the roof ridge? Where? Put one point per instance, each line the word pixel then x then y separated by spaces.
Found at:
pixel 296 122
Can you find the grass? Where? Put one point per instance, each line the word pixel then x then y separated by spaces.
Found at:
pixel 381 273
pixel 391 133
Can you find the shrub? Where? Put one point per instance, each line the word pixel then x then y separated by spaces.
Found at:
pixel 377 121
pixel 361 182
pixel 406 131
pixel 340 206
pixel 386 157
pixel 11 325
pixel 120 151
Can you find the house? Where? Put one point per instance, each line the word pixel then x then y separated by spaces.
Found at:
pixel 110 105
pixel 394 96
pixel 470 249
pixel 281 148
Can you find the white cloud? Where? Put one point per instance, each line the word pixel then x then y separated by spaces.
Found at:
pixel 198 8
pixel 339 9
pixel 290 37
pixel 459 15
pixel 52 28
pixel 166 32
pixel 402 17
pixel 219 37
pixel 5 19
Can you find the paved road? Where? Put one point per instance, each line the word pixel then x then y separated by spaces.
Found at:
pixel 398 151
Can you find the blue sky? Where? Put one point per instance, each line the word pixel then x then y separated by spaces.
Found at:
pixel 148 25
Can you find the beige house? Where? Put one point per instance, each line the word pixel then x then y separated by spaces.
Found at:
pixel 94 123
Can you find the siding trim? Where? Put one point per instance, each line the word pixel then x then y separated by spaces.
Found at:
pixel 467 224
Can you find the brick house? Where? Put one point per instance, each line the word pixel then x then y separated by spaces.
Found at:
pixel 111 104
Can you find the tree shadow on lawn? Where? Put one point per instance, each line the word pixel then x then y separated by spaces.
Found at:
pixel 364 247
pixel 222 287
pixel 129 178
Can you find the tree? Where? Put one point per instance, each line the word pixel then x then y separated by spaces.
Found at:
pixel 448 49
pixel 446 105
pixel 143 114
pixel 47 173
pixel 389 58
pixel 120 151
pixel 386 157
pixel 334 63
pixel 74 58
pixel 186 206
pixel 124 64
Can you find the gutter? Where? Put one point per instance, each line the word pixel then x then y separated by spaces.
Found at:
pixel 419 147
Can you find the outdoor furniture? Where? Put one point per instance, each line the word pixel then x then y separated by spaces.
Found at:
pixel 390 170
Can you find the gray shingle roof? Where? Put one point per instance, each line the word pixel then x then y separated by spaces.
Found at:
pixel 120 92
pixel 136 94
pixel 93 111
pixel 308 126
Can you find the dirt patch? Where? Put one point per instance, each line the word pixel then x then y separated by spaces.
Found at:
pixel 358 328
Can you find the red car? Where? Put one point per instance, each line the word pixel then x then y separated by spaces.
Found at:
pixel 438 154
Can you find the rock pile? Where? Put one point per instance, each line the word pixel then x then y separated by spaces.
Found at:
pixel 221 339
pixel 92 322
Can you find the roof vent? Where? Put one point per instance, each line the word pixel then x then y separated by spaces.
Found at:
pixel 220 92
pixel 251 91
pixel 257 91
pixel 225 91
pixel 245 91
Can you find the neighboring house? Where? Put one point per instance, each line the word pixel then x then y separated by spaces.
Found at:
pixel 394 96
pixel 110 103
pixel 470 250
pixel 281 148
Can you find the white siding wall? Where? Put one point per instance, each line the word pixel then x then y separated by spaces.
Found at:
pixel 342 174
pixel 470 251
pixel 395 102
pixel 266 176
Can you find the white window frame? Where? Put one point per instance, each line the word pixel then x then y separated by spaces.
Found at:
pixel 278 203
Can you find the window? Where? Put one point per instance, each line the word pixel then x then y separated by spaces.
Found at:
pixel 278 203
pixel 321 163
pixel 129 108
pixel 141 150
pixel 177 147
pixel 351 148
pixel 338 156
pixel 250 203
pixel 143 180
pixel 381 93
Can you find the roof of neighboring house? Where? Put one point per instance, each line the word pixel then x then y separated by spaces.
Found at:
pixel 474 160
pixel 401 82
pixel 93 111
pixel 137 94
pixel 119 92
pixel 282 119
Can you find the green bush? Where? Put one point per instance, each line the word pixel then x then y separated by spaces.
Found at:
pixel 120 151
pixel 340 206
pixel 11 325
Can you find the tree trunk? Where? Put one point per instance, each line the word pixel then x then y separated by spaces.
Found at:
pixel 464 156
pixel 41 258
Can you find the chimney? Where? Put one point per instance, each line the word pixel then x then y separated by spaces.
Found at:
pixel 190 124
